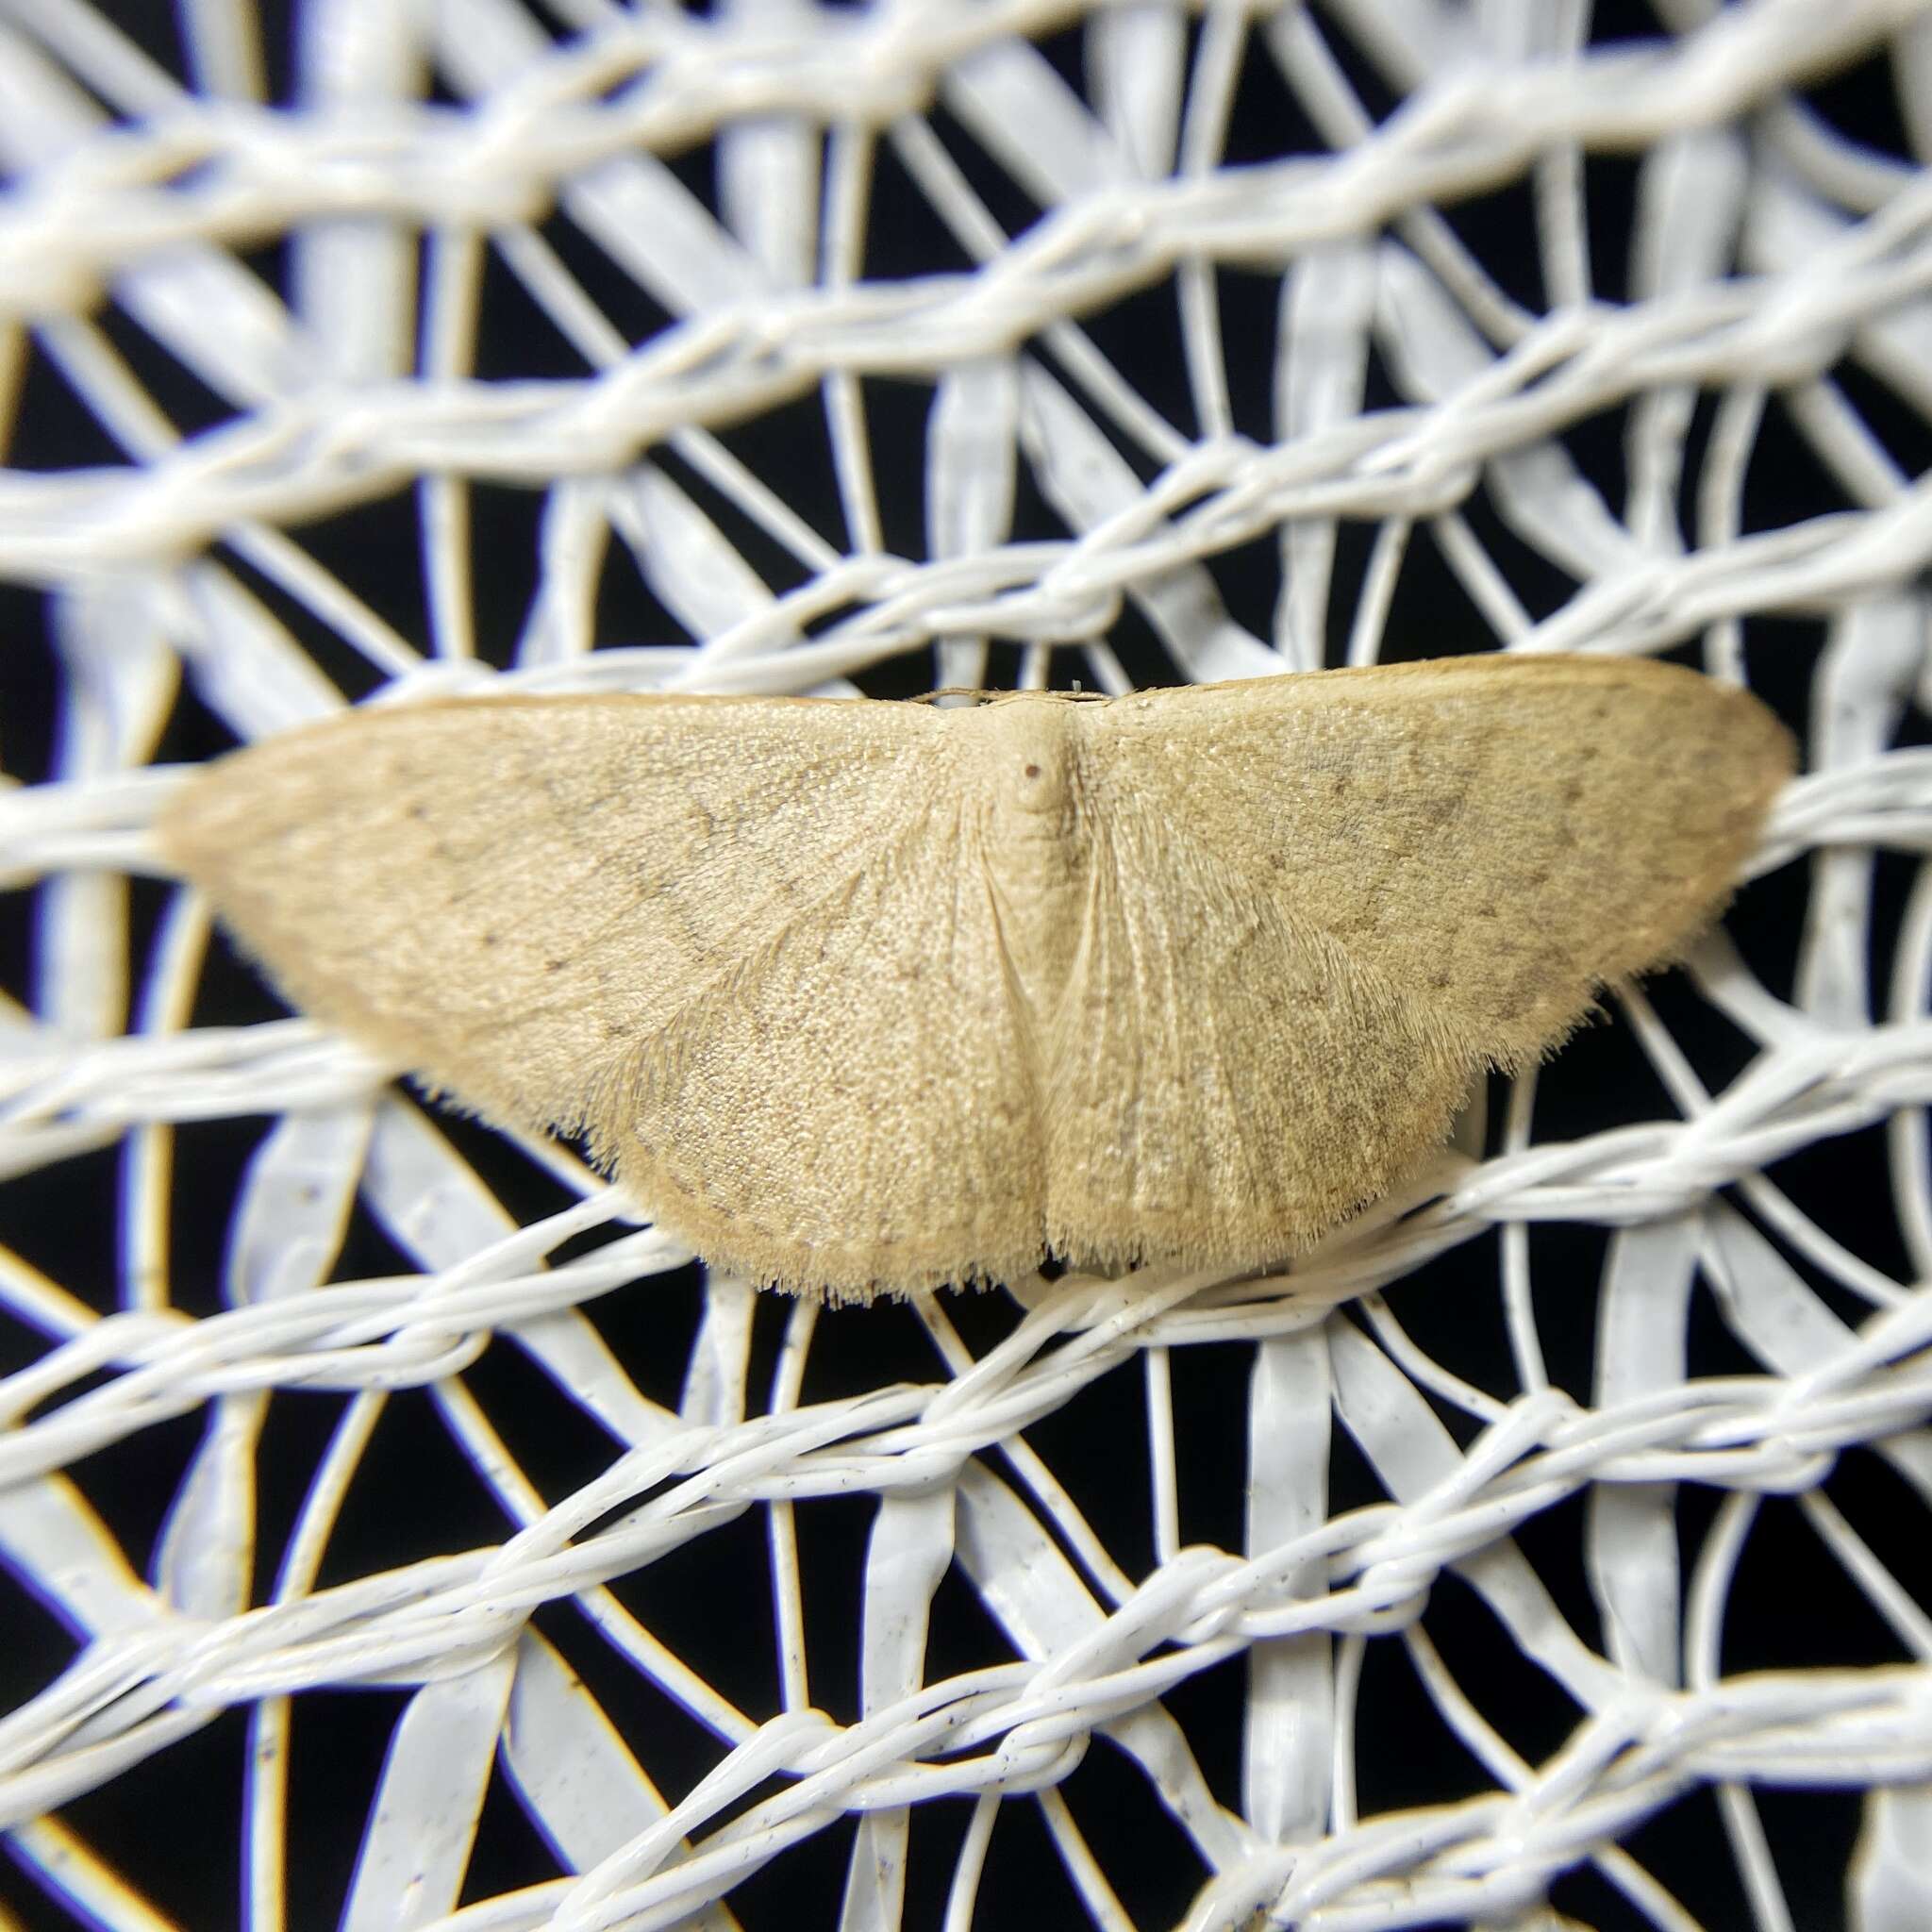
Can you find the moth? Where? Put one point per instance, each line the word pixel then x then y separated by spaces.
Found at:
pixel 859 998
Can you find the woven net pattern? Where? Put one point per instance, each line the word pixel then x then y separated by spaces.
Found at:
pixel 471 346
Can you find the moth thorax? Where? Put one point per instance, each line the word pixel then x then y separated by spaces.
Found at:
pixel 1033 775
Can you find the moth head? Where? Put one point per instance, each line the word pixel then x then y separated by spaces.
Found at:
pixel 1032 753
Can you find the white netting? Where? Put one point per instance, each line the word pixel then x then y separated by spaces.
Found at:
pixel 1550 1548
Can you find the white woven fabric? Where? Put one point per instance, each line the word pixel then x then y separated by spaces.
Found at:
pixel 251 344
